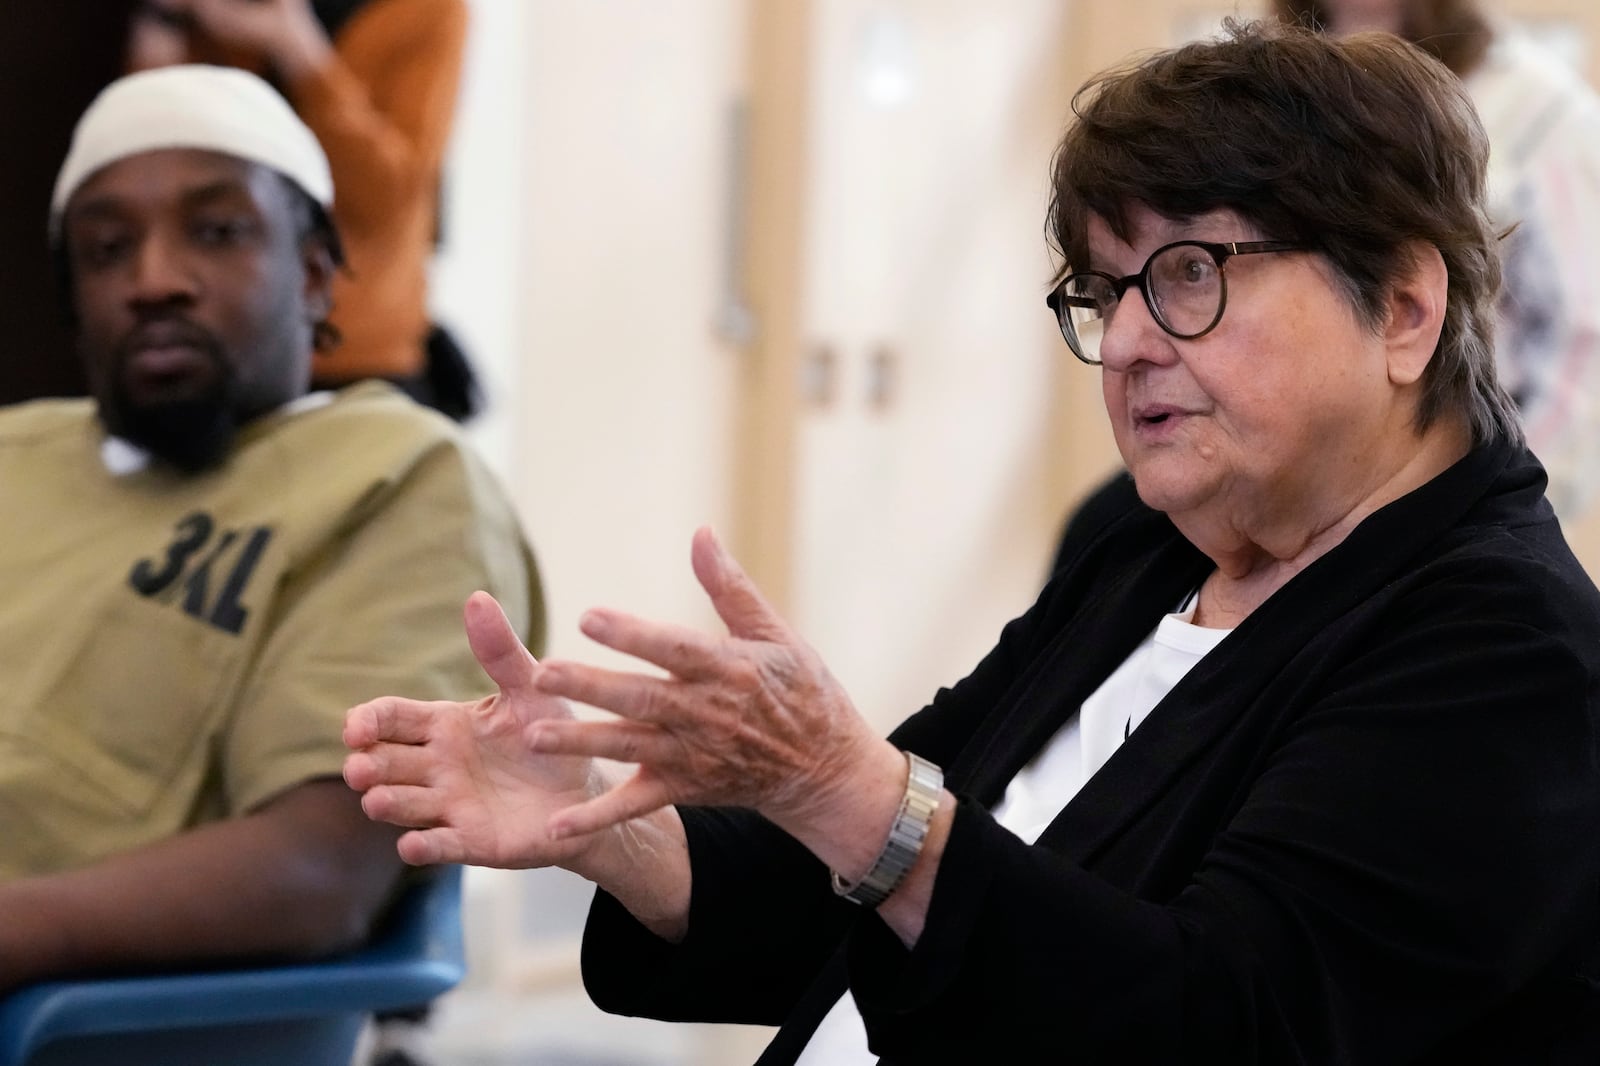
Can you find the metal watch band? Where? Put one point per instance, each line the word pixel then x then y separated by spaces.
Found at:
pixel 923 784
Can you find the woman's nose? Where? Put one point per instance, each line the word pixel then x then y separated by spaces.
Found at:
pixel 1132 334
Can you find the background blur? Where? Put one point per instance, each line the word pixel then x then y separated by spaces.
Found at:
pixel 777 266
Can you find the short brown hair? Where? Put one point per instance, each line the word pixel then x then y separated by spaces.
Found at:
pixel 1357 148
pixel 1452 31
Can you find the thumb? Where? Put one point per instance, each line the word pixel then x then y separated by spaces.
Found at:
pixel 738 602
pixel 496 645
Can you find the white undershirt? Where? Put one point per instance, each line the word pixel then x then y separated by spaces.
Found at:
pixel 1039 791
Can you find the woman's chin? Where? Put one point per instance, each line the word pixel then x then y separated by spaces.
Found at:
pixel 1170 487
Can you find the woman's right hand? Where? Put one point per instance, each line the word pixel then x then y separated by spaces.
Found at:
pixel 461 775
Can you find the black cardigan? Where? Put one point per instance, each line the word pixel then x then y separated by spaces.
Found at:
pixel 1362 830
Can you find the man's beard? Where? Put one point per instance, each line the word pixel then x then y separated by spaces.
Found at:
pixel 193 433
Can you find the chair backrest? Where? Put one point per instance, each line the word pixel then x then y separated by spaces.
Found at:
pixel 309 1014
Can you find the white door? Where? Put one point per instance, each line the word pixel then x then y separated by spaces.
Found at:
pixel 923 502
pixel 944 428
pixel 585 263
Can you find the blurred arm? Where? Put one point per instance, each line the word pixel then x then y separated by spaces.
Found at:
pixel 304 875
pixel 382 105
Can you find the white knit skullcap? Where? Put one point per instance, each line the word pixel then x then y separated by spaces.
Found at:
pixel 219 109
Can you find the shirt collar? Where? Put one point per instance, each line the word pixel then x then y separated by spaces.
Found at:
pixel 122 457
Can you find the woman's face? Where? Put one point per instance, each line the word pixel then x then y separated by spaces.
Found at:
pixel 1275 419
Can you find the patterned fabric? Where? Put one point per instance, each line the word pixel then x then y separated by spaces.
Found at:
pixel 1544 177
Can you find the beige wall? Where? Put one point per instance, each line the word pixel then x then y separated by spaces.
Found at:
pixel 584 268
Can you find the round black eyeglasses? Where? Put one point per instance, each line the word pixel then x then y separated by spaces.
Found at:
pixel 1183 285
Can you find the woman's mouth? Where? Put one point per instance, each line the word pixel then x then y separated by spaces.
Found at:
pixel 1158 420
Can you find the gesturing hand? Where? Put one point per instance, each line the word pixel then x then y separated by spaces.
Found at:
pixel 461 774
pixel 753 719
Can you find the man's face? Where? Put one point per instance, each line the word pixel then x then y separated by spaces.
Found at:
pixel 196 296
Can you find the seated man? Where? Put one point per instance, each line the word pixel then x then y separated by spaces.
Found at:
pixel 204 566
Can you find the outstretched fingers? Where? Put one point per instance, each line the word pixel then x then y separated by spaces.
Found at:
pixel 678 649
pixel 740 605
pixel 429 847
pixel 388 764
pixel 635 696
pixel 392 719
pixel 639 795
pixel 682 651
pixel 408 806
pixel 619 741
pixel 496 645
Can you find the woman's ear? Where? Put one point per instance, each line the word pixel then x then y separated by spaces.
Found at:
pixel 1415 312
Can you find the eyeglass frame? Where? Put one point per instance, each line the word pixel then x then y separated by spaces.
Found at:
pixel 1220 253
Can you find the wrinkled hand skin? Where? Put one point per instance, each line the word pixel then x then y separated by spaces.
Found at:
pixel 460 775
pixel 752 719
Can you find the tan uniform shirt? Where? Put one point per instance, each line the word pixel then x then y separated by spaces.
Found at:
pixel 177 649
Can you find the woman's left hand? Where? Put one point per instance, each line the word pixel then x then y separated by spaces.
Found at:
pixel 752 719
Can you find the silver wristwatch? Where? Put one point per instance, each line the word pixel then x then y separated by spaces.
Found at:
pixel 924 781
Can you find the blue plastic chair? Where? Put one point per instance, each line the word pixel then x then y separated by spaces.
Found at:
pixel 307 1014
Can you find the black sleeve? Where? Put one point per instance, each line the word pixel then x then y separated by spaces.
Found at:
pixel 762 921
pixel 1417 844
pixel 1108 501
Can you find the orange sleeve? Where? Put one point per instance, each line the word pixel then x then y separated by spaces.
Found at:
pixel 382 108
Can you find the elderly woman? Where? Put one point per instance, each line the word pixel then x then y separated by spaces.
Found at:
pixel 1295 761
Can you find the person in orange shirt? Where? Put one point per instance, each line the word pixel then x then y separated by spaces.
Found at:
pixel 376 80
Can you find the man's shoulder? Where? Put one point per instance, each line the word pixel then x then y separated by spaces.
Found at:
pixel 371 419
pixel 380 403
pixel 359 452
pixel 40 419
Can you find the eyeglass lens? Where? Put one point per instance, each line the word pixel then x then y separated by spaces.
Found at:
pixel 1182 286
